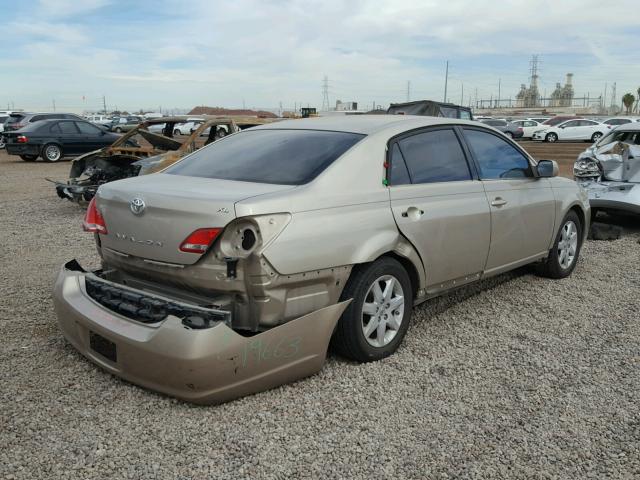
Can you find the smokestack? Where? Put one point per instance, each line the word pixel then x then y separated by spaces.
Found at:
pixel 569 79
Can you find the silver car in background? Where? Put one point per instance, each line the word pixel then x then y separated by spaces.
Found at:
pixel 609 170
pixel 232 270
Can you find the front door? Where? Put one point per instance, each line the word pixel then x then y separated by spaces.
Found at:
pixel 522 205
pixel 439 206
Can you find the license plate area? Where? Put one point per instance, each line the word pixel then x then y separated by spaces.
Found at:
pixel 103 346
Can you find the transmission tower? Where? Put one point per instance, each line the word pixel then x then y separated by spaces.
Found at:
pixel 325 93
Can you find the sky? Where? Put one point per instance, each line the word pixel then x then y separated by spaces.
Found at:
pixel 152 54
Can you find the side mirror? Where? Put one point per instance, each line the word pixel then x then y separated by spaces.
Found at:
pixel 547 168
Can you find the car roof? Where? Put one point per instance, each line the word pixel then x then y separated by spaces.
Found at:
pixel 364 124
pixel 631 127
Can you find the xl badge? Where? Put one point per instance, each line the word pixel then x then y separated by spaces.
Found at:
pixel 137 206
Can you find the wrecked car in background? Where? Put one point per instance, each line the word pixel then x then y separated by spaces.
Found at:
pixel 148 148
pixel 230 271
pixel 610 170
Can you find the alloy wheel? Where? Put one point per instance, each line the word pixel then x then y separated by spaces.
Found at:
pixel 382 311
pixel 52 153
pixel 568 245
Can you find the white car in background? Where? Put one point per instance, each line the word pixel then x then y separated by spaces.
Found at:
pixel 573 130
pixel 615 121
pixel 186 128
pixel 528 127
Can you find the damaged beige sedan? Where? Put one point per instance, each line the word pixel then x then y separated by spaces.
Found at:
pixel 232 270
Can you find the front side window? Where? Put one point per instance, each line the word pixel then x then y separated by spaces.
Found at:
pixel 284 157
pixel 587 123
pixel 435 156
pixel 87 128
pixel 496 158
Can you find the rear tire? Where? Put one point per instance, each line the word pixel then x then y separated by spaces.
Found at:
pixel 29 158
pixel 52 152
pixel 385 317
pixel 596 136
pixel 564 254
pixel 118 130
pixel 551 137
pixel 509 134
pixel 177 132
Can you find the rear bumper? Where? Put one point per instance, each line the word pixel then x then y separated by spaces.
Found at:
pixel 205 366
pixel 22 149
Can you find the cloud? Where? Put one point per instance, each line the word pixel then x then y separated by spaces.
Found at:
pixel 221 53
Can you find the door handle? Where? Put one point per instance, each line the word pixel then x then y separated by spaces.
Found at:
pixel 498 202
pixel 413 212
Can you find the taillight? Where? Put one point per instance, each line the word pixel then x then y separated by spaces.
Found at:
pixel 200 240
pixel 93 221
pixel 22 139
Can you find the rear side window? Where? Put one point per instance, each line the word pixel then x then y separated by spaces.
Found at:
pixel 496 158
pixel 285 157
pixel 435 156
pixel 54 128
pixel 465 115
pixel 398 175
pixel 67 127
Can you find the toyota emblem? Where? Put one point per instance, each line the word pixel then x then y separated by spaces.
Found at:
pixel 137 206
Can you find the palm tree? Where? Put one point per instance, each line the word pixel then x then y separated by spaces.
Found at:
pixel 628 100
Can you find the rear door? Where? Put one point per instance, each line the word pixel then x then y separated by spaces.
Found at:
pixel 522 205
pixel 439 205
pixel 70 137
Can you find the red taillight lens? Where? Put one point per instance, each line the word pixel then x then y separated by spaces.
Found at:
pixel 200 240
pixel 93 221
pixel 22 139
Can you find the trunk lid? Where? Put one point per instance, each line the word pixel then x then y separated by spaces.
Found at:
pixel 170 208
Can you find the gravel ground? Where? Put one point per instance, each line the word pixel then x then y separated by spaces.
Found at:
pixel 515 377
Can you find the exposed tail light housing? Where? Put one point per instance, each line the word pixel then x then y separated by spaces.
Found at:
pixel 93 220
pixel 200 240
pixel 22 139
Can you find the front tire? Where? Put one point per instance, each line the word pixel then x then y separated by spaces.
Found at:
pixel 509 134
pixel 596 136
pixel 29 158
pixel 118 130
pixel 177 132
pixel 375 322
pixel 52 152
pixel 551 137
pixel 563 256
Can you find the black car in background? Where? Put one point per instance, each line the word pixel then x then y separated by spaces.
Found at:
pixel 508 128
pixel 18 120
pixel 53 139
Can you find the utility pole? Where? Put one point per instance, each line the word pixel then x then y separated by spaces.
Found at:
pixel 604 98
pixel 446 80
pixel 499 85
pixel 408 90
pixel 325 93
pixel 104 104
pixel 462 94
pixel 54 104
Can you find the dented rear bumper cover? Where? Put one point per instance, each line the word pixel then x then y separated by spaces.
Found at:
pixel 209 365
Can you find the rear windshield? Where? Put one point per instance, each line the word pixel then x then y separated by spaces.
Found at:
pixel 285 157
pixel 14 118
